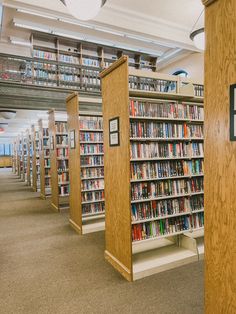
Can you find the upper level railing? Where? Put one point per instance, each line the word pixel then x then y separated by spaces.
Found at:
pixel 51 73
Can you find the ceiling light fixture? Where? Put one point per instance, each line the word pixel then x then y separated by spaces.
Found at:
pixel 84 10
pixel 16 41
pixel 7 114
pixel 197 35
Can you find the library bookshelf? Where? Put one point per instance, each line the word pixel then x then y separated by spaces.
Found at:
pixel 24 157
pixel 58 141
pixel 35 159
pixel 87 204
pixel 20 157
pixel 44 157
pixel 14 157
pixel 153 165
pixel 28 157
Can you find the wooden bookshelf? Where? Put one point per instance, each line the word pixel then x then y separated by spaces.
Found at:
pixel 45 161
pixel 6 161
pixel 63 62
pixel 35 159
pixel 24 157
pixel 19 157
pixel 28 158
pixel 14 156
pixel 58 141
pixel 147 221
pixel 86 180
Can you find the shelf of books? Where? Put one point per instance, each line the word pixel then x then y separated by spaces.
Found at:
pixel 35 159
pixel 87 204
pixel 24 157
pixel 14 157
pixel 29 170
pixel 44 159
pixel 20 157
pixel 153 164
pixel 59 156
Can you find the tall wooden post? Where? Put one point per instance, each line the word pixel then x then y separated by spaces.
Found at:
pixel 220 158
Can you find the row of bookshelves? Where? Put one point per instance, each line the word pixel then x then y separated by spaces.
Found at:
pixel 152 186
pixel 158 192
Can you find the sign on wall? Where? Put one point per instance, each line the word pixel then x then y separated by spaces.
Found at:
pixel 114 129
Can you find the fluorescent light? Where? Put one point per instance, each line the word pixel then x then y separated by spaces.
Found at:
pixel 138 38
pixel 67 35
pixel 108 31
pixel 37 14
pixel 16 41
pixel 198 37
pixel 76 23
pixel 32 27
pixel 97 41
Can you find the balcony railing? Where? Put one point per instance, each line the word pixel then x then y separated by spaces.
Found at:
pixel 52 73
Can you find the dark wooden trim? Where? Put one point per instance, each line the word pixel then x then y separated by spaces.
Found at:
pixel 208 2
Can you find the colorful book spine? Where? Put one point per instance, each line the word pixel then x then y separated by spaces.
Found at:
pixel 91 160
pixel 167 168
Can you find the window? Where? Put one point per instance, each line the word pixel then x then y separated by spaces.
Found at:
pixel 181 73
pixel 5 149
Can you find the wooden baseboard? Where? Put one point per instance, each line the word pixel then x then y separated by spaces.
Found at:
pixel 122 269
pixel 55 208
pixel 75 227
pixel 43 196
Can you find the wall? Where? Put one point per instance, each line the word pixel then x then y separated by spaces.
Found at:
pixel 193 64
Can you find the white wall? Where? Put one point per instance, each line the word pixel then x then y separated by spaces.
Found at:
pixel 193 64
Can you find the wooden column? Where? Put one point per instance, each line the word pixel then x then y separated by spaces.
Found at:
pixel 28 157
pixel 74 164
pixel 34 159
pixel 53 160
pixel 220 159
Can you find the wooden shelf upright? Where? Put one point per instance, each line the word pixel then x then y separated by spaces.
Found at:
pixel 20 156
pixel 148 211
pixel 44 157
pixel 24 157
pixel 87 207
pixel 28 158
pixel 14 156
pixel 58 141
pixel 35 159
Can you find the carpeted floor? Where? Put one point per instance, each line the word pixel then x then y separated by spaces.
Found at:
pixel 45 267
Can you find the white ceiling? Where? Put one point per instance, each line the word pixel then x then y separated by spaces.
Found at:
pixel 167 20
pixel 180 12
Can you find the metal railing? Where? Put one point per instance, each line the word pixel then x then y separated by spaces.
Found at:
pixel 52 73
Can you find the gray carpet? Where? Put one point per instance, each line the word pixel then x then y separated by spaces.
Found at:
pixel 45 267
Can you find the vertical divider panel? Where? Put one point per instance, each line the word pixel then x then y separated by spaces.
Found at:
pixel 115 94
pixel 72 105
pixel 34 170
pixel 53 160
